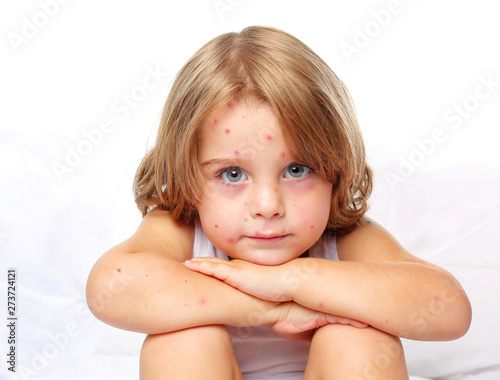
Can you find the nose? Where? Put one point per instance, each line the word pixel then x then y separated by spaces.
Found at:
pixel 267 201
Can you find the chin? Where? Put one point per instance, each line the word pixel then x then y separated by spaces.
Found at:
pixel 270 258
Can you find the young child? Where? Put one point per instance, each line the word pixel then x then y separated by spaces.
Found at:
pixel 255 259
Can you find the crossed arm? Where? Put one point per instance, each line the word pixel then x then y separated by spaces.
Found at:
pixel 149 284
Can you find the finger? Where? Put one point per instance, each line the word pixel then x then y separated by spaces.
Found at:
pixel 218 269
pixel 352 322
pixel 212 259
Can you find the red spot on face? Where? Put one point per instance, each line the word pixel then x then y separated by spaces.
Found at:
pixel 147 275
pixel 230 104
pixel 436 298
pixel 201 301
pixel 227 131
pixel 246 219
pixel 145 305
pixel 230 240
pixel 236 152
pixel 283 154
pixel 269 138
pixel 275 190
pixel 386 321
pixel 321 304
pixel 216 226
pixel 215 121
pixel 118 270
pixel 311 227
pixel 282 231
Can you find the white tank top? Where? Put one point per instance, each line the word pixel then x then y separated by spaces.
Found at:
pixel 261 354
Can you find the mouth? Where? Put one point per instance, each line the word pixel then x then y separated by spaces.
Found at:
pixel 268 238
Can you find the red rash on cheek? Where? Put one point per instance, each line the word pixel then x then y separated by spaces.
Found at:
pixel 230 240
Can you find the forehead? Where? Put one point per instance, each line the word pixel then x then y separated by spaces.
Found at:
pixel 246 123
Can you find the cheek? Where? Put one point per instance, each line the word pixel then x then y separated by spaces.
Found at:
pixel 312 203
pixel 219 213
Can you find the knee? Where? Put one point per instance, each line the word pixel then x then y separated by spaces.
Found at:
pixel 170 355
pixel 194 340
pixel 367 338
pixel 374 353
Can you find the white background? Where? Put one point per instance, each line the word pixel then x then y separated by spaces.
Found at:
pixel 66 68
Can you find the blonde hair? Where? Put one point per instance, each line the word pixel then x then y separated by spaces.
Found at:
pixel 313 106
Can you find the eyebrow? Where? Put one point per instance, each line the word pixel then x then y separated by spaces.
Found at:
pixel 234 161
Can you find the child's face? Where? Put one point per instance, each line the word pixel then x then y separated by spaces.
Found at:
pixel 258 204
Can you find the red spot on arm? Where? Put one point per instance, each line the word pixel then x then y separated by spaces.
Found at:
pixel 201 301
pixel 118 270
pixel 227 131
pixel 147 275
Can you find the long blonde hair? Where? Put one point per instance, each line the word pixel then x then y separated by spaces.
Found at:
pixel 313 106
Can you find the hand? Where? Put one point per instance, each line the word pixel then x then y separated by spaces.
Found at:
pixel 295 322
pixel 261 281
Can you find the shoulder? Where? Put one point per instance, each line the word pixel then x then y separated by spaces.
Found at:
pixel 159 232
pixel 370 241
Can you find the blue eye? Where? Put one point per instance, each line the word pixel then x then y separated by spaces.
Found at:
pixel 296 171
pixel 233 175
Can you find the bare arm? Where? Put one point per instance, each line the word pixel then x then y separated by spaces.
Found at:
pixel 141 285
pixel 376 281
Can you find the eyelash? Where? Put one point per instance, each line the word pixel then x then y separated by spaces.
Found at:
pixel 219 174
